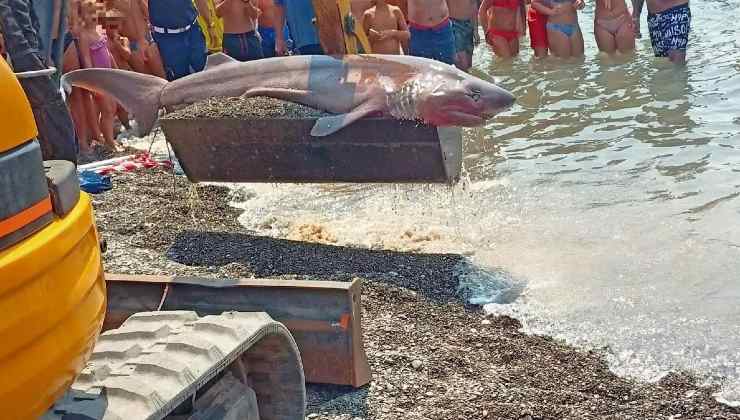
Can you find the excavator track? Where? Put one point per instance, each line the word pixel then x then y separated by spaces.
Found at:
pixel 174 364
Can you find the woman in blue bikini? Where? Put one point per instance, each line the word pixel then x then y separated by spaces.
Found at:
pixel 563 32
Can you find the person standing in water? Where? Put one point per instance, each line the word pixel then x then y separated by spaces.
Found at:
pixel 564 35
pixel 241 40
pixel 386 28
pixel 613 27
pixel 464 17
pixel 431 30
pixel 669 23
pixel 503 25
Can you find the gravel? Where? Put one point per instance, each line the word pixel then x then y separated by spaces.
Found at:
pixel 257 107
pixel 431 356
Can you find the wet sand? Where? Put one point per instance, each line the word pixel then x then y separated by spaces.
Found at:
pixel 431 356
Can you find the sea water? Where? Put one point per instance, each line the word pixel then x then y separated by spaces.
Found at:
pixel 603 208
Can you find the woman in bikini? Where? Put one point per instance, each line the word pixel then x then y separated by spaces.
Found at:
pixel 563 32
pixel 613 27
pixel 503 24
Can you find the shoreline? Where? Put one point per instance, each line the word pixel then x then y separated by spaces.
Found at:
pixel 431 355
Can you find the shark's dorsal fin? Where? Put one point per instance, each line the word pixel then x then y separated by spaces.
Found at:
pixel 218 59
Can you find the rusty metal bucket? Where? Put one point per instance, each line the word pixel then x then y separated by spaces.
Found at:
pixel 322 316
pixel 371 150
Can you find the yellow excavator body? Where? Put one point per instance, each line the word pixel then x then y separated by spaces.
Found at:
pixel 52 288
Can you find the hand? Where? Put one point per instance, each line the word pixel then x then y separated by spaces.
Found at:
pixel 280 46
pixel 580 4
pixel 375 34
pixel 387 34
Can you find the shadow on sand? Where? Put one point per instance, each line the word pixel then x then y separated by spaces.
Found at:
pixel 432 275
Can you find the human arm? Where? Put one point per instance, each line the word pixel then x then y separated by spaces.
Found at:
pixel 475 4
pixel 401 33
pixel 483 14
pixel 280 24
pixel 253 12
pixel 84 51
pixel 366 23
pixel 539 6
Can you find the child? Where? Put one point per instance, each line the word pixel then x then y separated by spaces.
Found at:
pixel 241 40
pixel 563 32
pixel 613 27
pixel 503 23
pixel 93 52
pixel 386 28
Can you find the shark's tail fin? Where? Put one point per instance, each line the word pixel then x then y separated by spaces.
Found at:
pixel 138 93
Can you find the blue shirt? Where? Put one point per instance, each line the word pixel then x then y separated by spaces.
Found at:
pixel 299 15
pixel 172 14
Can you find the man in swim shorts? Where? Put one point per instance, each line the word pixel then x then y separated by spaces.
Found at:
pixel 464 18
pixel 431 30
pixel 669 23
pixel 241 40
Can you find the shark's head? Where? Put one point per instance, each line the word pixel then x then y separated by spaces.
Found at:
pixel 461 99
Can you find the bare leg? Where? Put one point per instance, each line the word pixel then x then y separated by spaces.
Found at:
pixel 559 43
pixel 576 43
pixel 514 46
pixel 107 108
pixel 677 57
pixel 77 110
pixel 636 12
pixel 605 40
pixel 462 61
pixel 501 47
pixel 540 52
pixel 92 116
pixel 625 38
pixel 154 60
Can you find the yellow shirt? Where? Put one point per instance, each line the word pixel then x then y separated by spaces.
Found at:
pixel 213 45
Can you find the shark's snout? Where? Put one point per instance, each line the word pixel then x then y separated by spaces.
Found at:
pixel 501 99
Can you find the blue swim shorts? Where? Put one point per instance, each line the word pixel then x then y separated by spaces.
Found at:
pixel 669 29
pixel 437 43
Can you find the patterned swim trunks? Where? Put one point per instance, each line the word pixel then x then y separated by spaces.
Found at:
pixel 669 29
pixel 463 31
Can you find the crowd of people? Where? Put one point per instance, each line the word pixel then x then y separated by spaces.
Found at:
pixel 172 38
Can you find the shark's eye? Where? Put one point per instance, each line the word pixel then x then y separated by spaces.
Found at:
pixel 475 94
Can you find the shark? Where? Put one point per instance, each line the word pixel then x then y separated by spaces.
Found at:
pixel 348 88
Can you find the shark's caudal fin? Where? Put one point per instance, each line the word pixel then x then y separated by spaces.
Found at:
pixel 138 93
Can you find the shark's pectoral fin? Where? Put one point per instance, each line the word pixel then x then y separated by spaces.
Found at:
pixel 292 95
pixel 331 124
pixel 215 60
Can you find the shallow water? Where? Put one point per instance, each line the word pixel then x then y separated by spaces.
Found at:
pixel 603 208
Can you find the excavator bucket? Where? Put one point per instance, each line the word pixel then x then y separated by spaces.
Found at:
pixel 322 316
pixel 270 149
